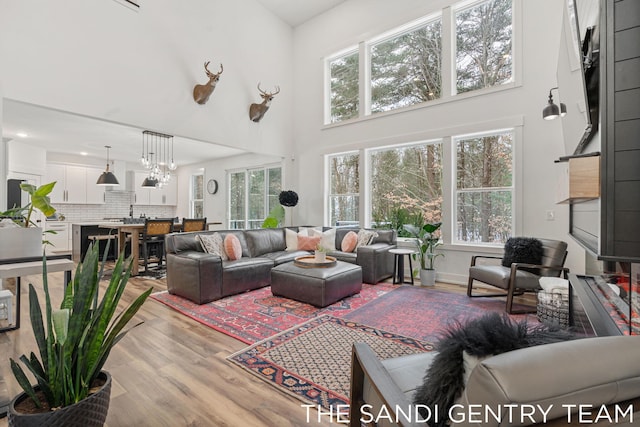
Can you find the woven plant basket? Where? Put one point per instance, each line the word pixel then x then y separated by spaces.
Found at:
pixel 90 412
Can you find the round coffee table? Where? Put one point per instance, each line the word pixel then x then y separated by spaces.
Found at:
pixel 398 264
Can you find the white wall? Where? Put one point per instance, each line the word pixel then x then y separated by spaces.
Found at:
pixel 103 60
pixel 540 142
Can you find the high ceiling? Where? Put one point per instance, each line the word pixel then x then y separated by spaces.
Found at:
pixel 296 12
pixel 66 133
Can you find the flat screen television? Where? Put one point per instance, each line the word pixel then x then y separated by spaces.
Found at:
pixel 578 74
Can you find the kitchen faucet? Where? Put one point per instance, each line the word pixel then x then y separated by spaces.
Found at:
pixel 130 211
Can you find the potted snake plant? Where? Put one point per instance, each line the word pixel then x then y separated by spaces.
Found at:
pixel 426 243
pixel 73 342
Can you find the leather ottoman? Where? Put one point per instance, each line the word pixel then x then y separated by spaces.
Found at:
pixel 316 286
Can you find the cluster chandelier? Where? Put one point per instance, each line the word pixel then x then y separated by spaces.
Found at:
pixel 157 157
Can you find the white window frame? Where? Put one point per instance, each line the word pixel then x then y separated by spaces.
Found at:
pixel 246 172
pixel 327 82
pixel 193 200
pixel 327 184
pixel 515 201
pixel 369 170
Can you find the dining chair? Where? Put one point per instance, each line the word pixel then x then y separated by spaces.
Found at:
pixel 152 241
pixel 194 224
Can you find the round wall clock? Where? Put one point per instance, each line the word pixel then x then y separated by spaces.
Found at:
pixel 212 186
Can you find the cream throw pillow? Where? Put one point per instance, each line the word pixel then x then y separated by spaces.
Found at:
pixel 328 238
pixel 365 237
pixel 213 244
pixel 291 238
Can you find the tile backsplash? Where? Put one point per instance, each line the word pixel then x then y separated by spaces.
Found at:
pixel 116 206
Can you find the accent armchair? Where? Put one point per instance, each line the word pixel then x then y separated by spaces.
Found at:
pixel 519 277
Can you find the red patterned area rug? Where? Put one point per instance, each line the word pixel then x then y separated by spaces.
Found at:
pixel 312 361
pixel 422 313
pixel 256 315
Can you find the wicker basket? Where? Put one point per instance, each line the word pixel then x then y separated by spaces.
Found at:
pixel 553 307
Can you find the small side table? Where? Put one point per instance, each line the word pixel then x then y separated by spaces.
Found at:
pixel 398 265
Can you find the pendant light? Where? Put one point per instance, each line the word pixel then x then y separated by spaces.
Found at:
pixel 552 111
pixel 107 177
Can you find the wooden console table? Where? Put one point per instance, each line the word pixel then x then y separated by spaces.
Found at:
pixel 18 268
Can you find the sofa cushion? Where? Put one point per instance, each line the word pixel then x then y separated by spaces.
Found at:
pixel 385 236
pixel 213 244
pixel 349 242
pixel 281 257
pixel 264 240
pixel 232 247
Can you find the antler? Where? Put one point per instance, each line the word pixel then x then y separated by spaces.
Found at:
pixel 209 73
pixel 269 93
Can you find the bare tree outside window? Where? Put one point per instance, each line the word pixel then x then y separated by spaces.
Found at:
pixel 484 45
pixel 252 195
pixel 484 194
pixel 344 75
pixel 408 178
pixel 237 200
pixel 406 69
pixel 344 189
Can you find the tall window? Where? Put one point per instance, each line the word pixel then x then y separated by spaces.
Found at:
pixel 483 45
pixel 484 188
pixel 252 194
pixel 344 87
pixel 408 178
pixel 405 69
pixel 344 189
pixel 196 202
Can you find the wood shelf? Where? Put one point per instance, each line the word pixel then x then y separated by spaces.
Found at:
pixel 580 181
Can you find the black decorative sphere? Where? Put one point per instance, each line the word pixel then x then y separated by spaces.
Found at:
pixel 288 198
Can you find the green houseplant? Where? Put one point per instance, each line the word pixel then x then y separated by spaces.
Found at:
pixel 74 342
pixel 426 243
pixel 39 200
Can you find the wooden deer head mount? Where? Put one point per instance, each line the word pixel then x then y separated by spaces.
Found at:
pixel 256 111
pixel 201 93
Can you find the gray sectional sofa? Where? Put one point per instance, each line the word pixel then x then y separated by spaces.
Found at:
pixel 202 277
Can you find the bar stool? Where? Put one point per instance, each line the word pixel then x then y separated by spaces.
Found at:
pixel 398 265
pixel 104 237
pixel 6 305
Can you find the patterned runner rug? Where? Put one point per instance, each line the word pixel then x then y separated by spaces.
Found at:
pixel 256 315
pixel 422 313
pixel 312 361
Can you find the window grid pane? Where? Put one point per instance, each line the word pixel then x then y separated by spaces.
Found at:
pixel 484 45
pixel 344 187
pixel 344 75
pixel 484 180
pixel 407 179
pixel 406 69
pixel 237 197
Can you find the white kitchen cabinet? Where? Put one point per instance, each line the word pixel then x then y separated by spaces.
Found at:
pixel 74 184
pixel 167 195
pixel 61 238
pixel 95 192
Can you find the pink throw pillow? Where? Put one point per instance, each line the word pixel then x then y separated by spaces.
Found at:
pixel 349 242
pixel 308 243
pixel 232 247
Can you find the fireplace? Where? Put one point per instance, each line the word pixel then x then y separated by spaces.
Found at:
pixel 607 304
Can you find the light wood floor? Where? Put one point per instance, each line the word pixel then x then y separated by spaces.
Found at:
pixel 171 370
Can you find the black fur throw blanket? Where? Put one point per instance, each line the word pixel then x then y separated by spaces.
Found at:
pixel 526 250
pixel 488 335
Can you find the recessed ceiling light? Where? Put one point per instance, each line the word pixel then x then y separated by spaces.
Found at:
pixel 84 153
pixel 22 134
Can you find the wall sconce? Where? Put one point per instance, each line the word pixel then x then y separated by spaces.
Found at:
pixel 552 111
pixel 107 177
